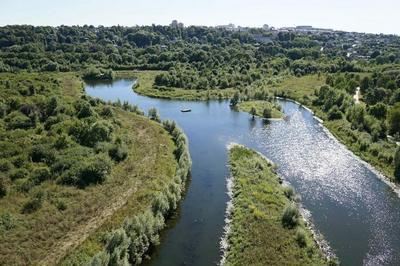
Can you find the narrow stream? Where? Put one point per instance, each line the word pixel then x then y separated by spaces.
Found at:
pixel 356 212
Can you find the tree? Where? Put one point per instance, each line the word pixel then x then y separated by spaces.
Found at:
pixel 378 110
pixel 334 113
pixel 153 114
pixel 397 165
pixel 267 112
pixel 394 119
pixel 356 115
pixel 291 216
pixel 235 99
pixel 253 111
pixel 3 186
pixel 365 84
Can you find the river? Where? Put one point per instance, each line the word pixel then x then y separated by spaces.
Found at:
pixel 356 212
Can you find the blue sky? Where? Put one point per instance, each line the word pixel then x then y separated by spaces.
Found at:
pixel 351 15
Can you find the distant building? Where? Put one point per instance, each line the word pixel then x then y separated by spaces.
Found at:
pixel 176 24
pixel 230 27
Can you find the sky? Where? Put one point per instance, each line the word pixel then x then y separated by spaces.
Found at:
pixel 370 16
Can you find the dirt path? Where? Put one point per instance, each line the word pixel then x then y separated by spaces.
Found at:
pixel 79 235
pixel 357 96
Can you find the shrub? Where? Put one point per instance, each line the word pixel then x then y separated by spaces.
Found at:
pixel 289 192
pixel 34 203
pixel 61 205
pixel 42 153
pixel 301 238
pixel 84 109
pixel 267 113
pixel 3 186
pixel 118 152
pixel 62 142
pixel 291 216
pixel 334 113
pixel 5 165
pixel 17 120
pixel 397 165
pixel 7 221
pixel 117 246
pixel 18 174
pixel 94 170
pixel 41 174
pixel 378 110
pixel 107 112
pixel 153 114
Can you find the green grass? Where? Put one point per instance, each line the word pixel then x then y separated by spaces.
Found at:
pixel 146 87
pixel 37 237
pixel 260 106
pixel 299 88
pixel 257 236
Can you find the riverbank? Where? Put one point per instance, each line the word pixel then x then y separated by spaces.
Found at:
pixel 256 232
pixel 301 90
pixel 259 107
pixel 135 227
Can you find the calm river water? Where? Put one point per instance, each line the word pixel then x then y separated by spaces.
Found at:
pixel 357 213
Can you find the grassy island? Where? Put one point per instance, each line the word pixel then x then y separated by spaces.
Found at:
pixel 266 227
pixel 264 109
pixel 146 86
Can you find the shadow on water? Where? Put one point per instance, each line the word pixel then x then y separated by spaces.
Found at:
pixel 356 212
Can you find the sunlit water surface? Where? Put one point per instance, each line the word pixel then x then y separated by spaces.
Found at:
pixel 356 212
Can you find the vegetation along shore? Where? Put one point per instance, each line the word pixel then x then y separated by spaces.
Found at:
pixel 265 223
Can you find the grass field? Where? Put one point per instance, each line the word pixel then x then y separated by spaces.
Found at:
pixel 257 235
pixel 49 234
pixel 260 106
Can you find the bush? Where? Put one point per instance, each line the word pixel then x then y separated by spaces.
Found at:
pixel 117 246
pixel 397 165
pixel 19 174
pixel 107 112
pixel 42 153
pixel 7 222
pixel 153 114
pixel 291 216
pixel 34 203
pixel 289 192
pixel 3 186
pixel 94 170
pixel 5 165
pixel 84 109
pixel 41 174
pixel 334 113
pixel 17 120
pixel 267 113
pixel 118 152
pixel 301 238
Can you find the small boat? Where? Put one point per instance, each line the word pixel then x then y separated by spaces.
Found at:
pixel 186 110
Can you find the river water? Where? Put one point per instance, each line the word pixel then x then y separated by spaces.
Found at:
pixel 356 212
